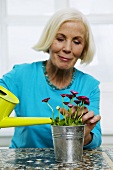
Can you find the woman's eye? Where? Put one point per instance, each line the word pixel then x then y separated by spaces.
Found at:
pixel 77 42
pixel 60 39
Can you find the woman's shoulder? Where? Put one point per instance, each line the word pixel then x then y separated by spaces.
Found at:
pixel 86 77
pixel 24 69
pixel 28 66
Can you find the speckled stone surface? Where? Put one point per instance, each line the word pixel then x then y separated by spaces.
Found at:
pixel 109 152
pixel 44 159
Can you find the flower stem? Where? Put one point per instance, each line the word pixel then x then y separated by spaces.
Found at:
pixel 52 112
pixel 70 113
pixel 76 113
pixel 82 111
pixel 58 108
pixel 63 110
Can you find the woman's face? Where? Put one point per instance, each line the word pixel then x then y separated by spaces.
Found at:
pixel 68 44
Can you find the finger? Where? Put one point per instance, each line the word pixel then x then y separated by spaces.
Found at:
pixel 64 112
pixel 95 119
pixel 80 110
pixel 89 128
pixel 92 121
pixel 89 115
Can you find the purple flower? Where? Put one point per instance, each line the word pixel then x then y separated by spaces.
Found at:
pixel 63 95
pixel 77 101
pixel 72 112
pixel 82 98
pixel 87 102
pixel 70 105
pixel 70 96
pixel 46 100
pixel 66 103
pixel 74 92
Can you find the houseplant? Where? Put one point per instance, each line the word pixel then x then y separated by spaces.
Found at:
pixel 68 132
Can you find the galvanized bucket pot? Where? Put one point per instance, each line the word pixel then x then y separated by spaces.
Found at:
pixel 68 143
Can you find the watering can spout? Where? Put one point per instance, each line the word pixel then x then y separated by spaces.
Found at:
pixel 7 103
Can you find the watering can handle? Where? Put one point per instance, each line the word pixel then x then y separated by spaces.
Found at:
pixel 8 96
pixel 2 93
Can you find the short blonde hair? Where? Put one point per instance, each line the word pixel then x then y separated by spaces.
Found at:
pixel 53 25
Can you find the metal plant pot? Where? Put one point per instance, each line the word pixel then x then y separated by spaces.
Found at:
pixel 68 143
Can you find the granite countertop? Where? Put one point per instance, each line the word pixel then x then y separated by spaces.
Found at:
pixel 44 159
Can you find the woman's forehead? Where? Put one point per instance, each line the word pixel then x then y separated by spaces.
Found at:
pixel 72 26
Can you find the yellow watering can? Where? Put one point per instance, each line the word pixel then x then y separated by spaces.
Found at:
pixel 7 103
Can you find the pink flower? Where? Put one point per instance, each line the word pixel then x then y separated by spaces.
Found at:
pixel 63 95
pixel 77 101
pixel 46 100
pixel 82 98
pixel 70 105
pixel 74 92
pixel 66 103
pixel 87 102
pixel 72 112
pixel 70 96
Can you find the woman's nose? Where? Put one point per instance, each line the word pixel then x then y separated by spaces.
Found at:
pixel 67 47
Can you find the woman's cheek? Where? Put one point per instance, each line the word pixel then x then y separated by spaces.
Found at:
pixel 78 52
pixel 56 46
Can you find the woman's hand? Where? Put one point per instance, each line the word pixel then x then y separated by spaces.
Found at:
pixel 90 120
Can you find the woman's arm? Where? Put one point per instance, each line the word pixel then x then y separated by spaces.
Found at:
pixel 92 138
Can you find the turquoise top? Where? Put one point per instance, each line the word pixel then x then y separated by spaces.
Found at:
pixel 29 84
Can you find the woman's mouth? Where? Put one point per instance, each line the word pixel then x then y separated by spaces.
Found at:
pixel 64 58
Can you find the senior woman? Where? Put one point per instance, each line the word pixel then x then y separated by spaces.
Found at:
pixel 67 38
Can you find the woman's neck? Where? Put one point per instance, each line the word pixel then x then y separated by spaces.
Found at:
pixel 58 77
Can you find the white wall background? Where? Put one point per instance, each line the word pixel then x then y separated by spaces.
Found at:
pixel 21 23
